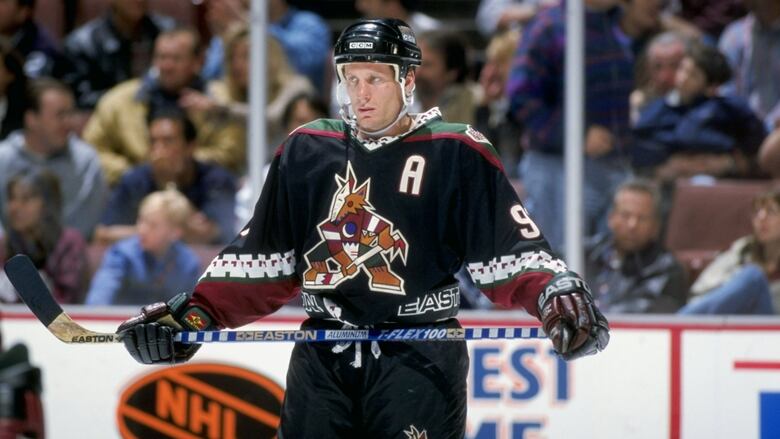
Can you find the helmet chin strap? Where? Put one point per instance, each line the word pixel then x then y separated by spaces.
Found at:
pixel 351 120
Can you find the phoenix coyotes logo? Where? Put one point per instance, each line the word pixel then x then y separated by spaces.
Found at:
pixel 355 238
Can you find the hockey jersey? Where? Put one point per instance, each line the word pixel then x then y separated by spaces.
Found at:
pixel 372 231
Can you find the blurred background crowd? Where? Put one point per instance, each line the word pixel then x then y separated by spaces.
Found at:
pixel 123 134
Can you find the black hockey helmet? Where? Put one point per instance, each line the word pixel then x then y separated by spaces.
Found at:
pixel 386 40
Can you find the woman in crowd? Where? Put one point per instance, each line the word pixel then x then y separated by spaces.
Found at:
pixel 745 279
pixel 229 97
pixel 33 226
pixel 302 109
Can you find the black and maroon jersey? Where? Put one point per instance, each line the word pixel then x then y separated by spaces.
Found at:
pixel 373 232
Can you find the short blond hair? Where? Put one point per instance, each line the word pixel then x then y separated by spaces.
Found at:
pixel 172 203
pixel 502 46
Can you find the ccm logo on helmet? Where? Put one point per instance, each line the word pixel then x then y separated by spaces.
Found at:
pixel 361 45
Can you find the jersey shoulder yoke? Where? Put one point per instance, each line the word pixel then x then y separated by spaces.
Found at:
pixel 466 134
pixel 322 127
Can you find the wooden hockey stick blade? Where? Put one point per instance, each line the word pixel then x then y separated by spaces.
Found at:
pixel 28 283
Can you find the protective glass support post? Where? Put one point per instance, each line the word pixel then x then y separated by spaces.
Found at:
pixel 574 134
pixel 256 119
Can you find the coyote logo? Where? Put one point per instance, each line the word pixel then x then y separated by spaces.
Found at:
pixel 354 237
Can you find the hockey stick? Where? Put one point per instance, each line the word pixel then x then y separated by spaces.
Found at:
pixel 28 283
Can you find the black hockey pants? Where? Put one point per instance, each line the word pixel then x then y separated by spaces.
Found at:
pixel 408 390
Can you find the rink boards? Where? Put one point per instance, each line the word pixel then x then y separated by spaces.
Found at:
pixel 661 377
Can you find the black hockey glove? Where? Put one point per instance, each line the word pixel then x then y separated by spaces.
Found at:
pixel 570 319
pixel 149 336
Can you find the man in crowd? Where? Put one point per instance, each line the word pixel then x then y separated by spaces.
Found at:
pixel 33 42
pixel 536 93
pixel 171 164
pixel 305 37
pixel 443 80
pixel 47 141
pixel 628 268
pixel 112 48
pixel 117 128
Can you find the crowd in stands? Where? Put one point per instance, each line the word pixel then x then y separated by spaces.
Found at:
pixel 123 139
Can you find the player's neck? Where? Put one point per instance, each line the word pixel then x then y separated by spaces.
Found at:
pixel 396 129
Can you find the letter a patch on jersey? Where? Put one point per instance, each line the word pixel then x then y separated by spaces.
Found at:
pixel 355 238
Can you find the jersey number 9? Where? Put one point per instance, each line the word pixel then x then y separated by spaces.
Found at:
pixel 528 229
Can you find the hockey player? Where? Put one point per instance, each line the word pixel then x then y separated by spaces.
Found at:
pixel 369 218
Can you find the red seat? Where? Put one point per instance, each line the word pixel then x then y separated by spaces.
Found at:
pixel 706 219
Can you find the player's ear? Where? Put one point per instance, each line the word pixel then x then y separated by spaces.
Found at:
pixel 409 80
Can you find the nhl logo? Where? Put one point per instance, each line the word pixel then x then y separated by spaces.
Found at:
pixel 200 400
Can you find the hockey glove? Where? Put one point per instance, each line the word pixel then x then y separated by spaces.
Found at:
pixel 149 336
pixel 570 319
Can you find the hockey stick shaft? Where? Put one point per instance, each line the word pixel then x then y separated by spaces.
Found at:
pixel 28 283
pixel 346 335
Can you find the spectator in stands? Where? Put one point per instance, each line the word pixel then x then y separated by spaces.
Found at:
pixel 628 269
pixel 643 19
pixel 495 16
pixel 112 48
pixel 656 70
pixel 442 80
pixel 47 142
pixel 117 128
pixel 406 10
pixel 229 97
pixel 40 51
pixel 33 227
pixel 535 90
pixel 153 264
pixel 171 163
pixel 302 109
pixel 305 37
pixel 711 16
pixel 490 117
pixel 693 130
pixel 13 85
pixel 752 46
pixel 222 16
pixel 745 279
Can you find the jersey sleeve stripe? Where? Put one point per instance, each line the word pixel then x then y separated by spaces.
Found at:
pixel 234 304
pixel 520 292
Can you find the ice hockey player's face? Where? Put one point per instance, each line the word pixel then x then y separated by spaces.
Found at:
pixel 374 94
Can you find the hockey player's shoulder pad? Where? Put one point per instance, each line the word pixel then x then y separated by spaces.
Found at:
pixel 321 127
pixel 468 136
pixel 462 130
